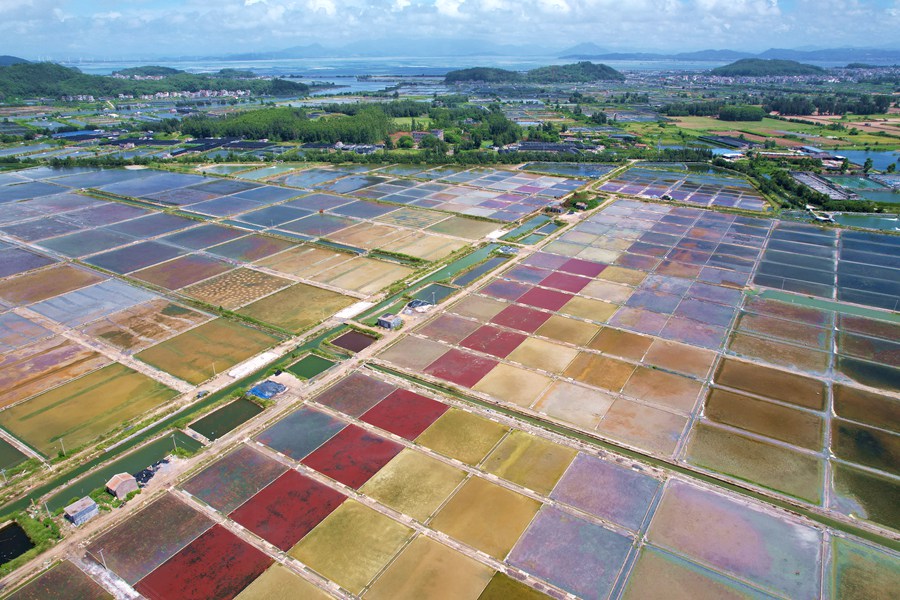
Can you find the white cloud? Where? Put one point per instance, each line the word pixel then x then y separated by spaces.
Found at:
pixel 555 6
pixel 448 8
pixel 326 6
pixel 201 27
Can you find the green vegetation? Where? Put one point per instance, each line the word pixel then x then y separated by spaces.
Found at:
pixel 775 181
pixel 590 201
pixel 485 74
pixel 148 71
pixel 29 80
pixel 828 104
pixel 581 72
pixel 397 108
pixel 759 67
pixel 741 113
pixel 42 533
pixel 366 126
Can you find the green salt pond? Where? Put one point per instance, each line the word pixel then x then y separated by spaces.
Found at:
pixel 221 421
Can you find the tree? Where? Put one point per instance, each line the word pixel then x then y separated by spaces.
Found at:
pixel 867 166
pixel 891 168
pixel 405 142
pixel 434 144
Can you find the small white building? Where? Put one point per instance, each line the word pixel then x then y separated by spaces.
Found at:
pixel 82 511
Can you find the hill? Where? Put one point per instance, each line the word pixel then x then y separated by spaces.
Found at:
pixel 582 72
pixel 758 67
pixel 30 80
pixel 7 60
pixel 148 71
pixel 485 74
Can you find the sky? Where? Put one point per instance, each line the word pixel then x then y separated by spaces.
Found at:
pixel 57 29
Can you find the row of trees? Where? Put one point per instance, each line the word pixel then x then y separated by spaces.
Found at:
pixel 828 104
pixel 367 126
pixel 733 112
pixel 725 111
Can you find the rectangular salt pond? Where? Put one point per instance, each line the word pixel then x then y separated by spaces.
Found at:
pixel 309 366
pixel 263 173
pixel 225 169
pixel 90 303
pixel 15 260
pixel 589 170
pixel 225 419
pixel 10 456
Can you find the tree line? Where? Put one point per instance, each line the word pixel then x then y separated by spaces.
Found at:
pixel 367 126
pixel 828 104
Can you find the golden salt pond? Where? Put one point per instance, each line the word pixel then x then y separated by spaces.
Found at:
pixel 305 261
pixel 352 545
pixel 791 472
pixel 279 583
pixel 462 435
pixel 428 569
pixel 414 483
pixel 779 422
pixel 513 384
pixel 464 228
pixel 363 275
pixel 84 409
pixel 530 461
pixel 504 587
pixel 214 347
pixel 297 307
pixel 480 502
pixel 425 246
pixel 568 330
pixel 541 354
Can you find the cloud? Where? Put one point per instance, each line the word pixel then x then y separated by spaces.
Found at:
pixel 326 6
pixel 200 27
pixel 449 8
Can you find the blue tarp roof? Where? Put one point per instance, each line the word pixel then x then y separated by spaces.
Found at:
pixel 267 389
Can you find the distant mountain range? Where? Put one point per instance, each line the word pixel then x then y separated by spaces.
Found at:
pixel 449 47
pixel 864 55
pixel 403 48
